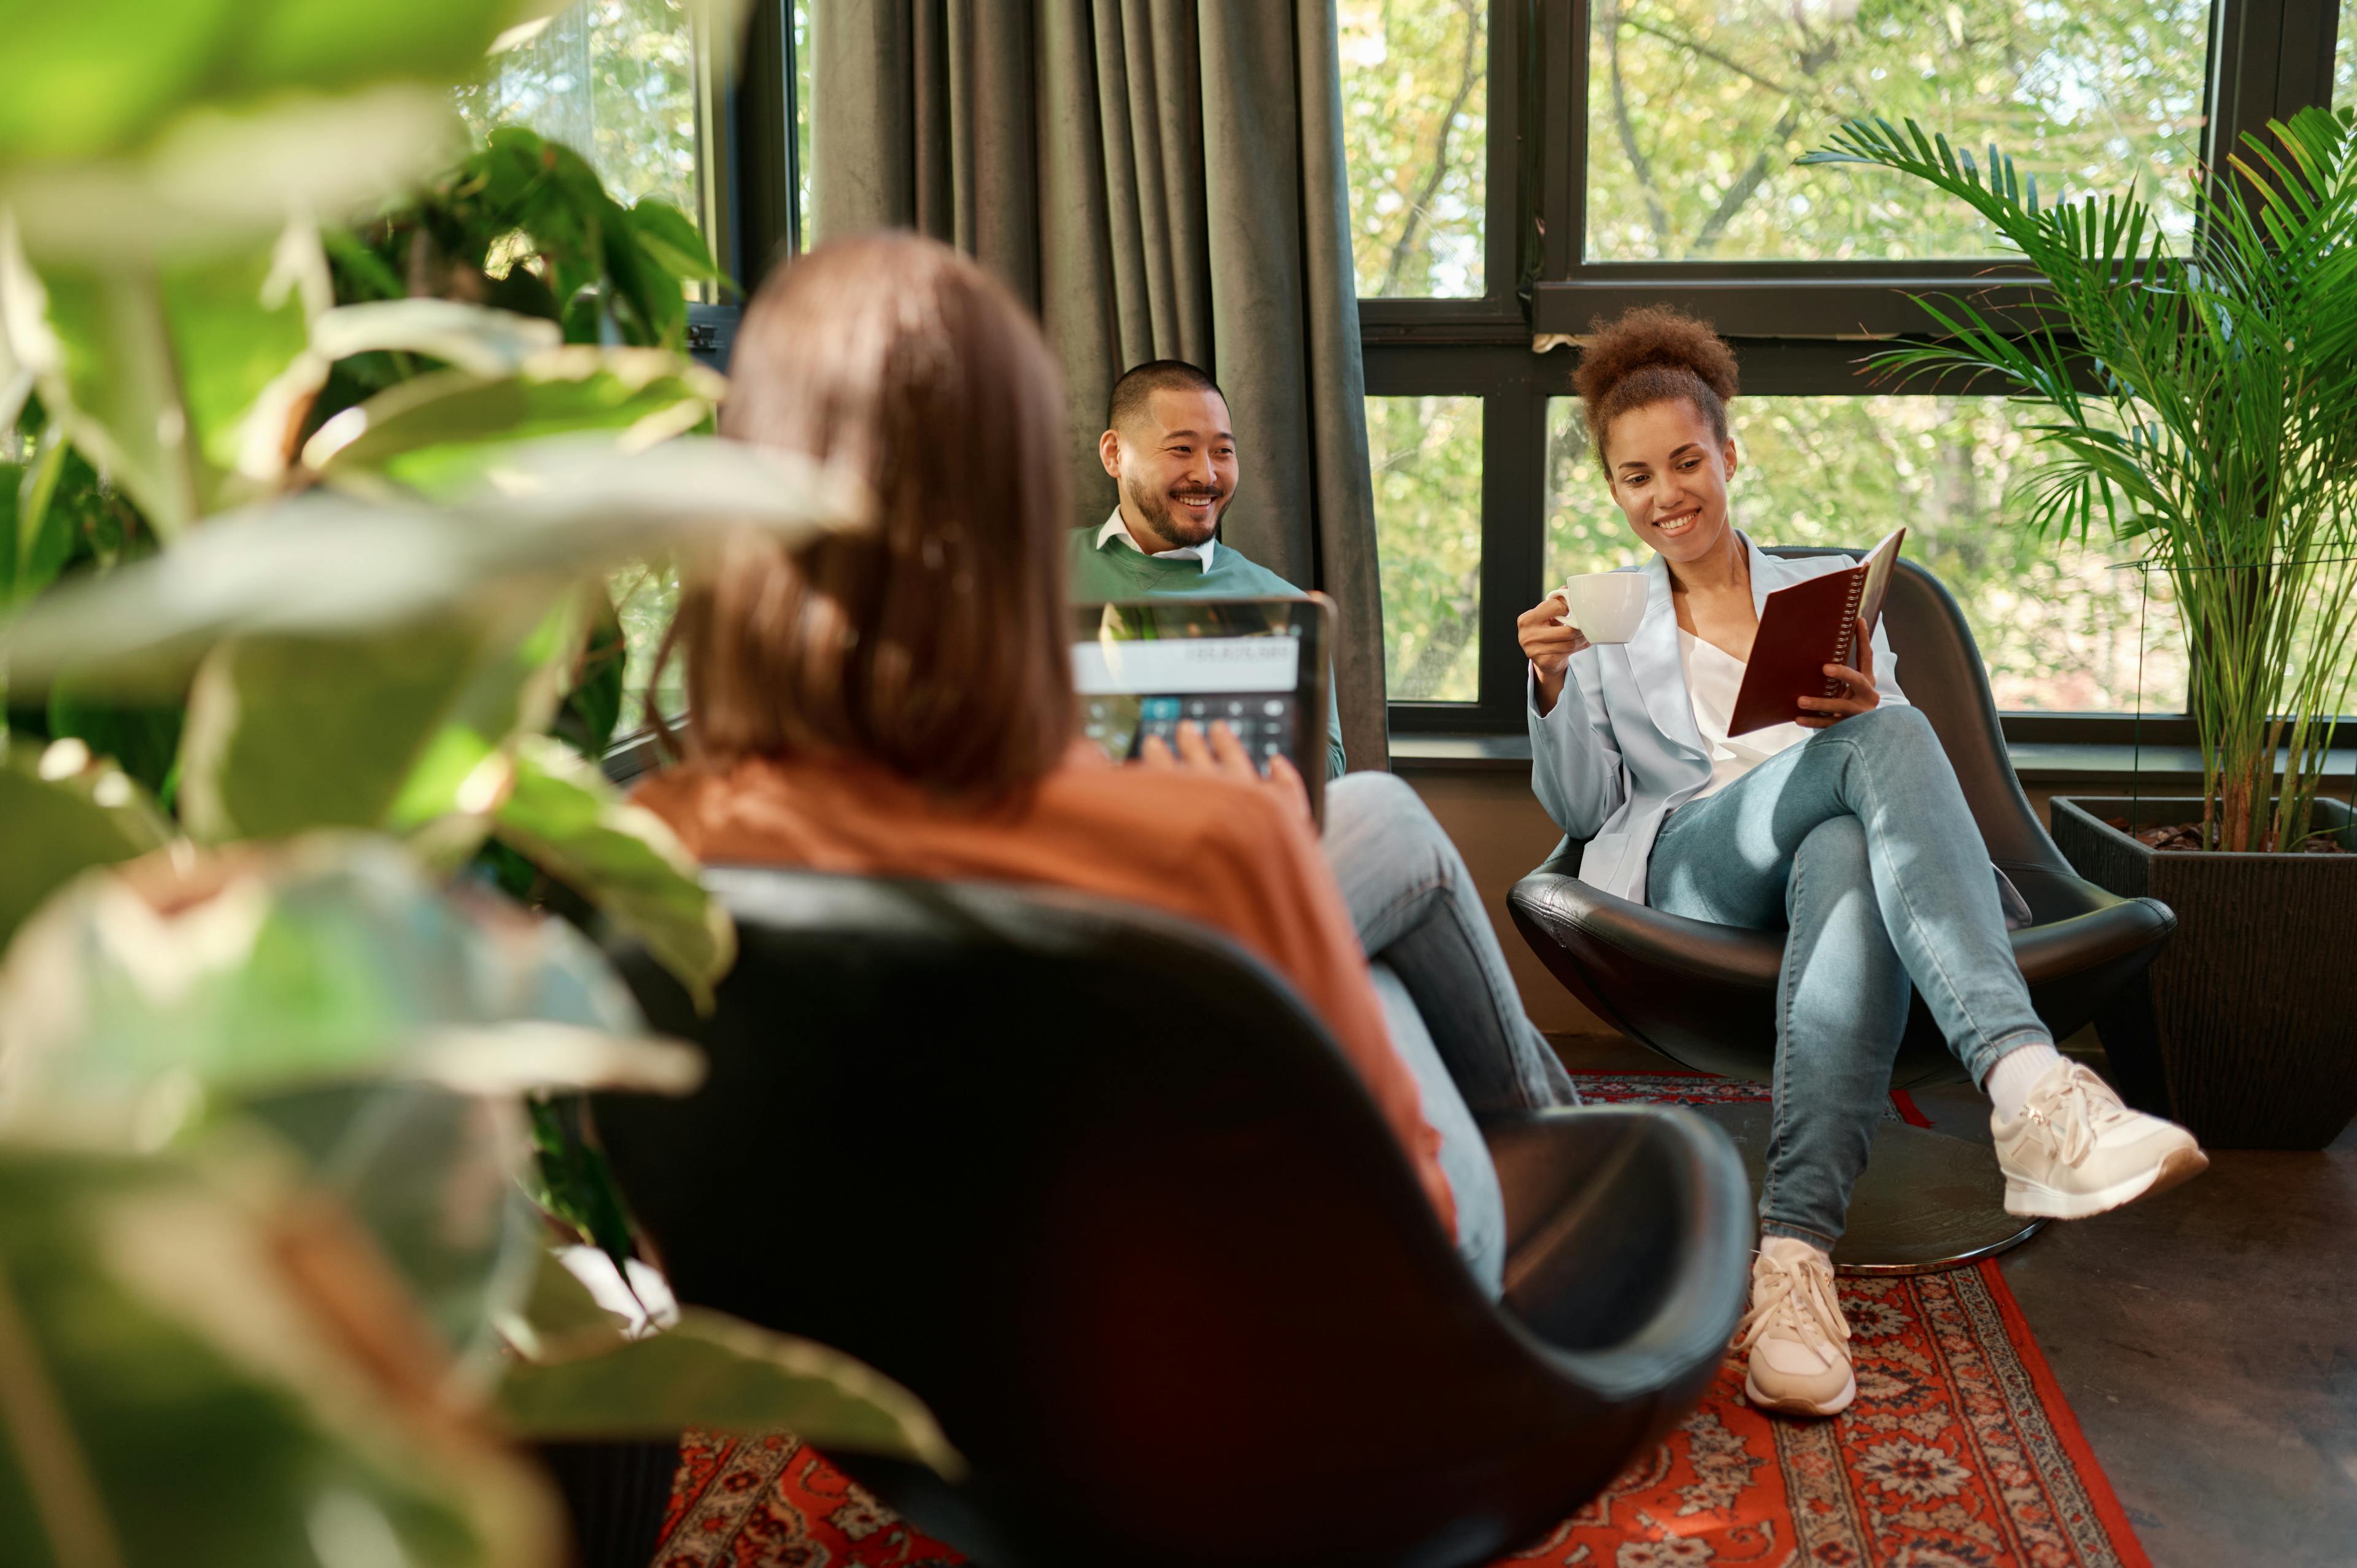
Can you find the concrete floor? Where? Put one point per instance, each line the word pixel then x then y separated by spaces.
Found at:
pixel 2207 1341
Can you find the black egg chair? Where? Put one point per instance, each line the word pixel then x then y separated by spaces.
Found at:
pixel 1098 1187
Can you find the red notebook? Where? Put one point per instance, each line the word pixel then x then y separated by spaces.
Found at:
pixel 1805 628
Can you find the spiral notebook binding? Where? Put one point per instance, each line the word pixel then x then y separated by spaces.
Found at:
pixel 1833 688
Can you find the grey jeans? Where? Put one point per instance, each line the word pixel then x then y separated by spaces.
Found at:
pixel 1858 843
pixel 1454 1012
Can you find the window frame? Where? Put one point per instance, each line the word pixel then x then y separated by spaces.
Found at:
pixel 1799 327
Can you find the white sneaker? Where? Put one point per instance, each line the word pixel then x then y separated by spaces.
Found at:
pixel 2075 1150
pixel 1796 1334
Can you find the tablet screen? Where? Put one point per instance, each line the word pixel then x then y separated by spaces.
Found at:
pixel 1142 668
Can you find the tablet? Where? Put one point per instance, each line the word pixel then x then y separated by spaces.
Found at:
pixel 1142 667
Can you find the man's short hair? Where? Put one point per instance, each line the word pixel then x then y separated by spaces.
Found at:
pixel 1140 382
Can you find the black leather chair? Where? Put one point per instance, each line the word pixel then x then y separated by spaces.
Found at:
pixel 1098 1189
pixel 1704 995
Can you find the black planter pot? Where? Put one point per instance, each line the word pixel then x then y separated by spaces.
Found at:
pixel 2245 1029
pixel 615 1494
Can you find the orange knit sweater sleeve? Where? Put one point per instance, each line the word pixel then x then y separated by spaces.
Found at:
pixel 1264 871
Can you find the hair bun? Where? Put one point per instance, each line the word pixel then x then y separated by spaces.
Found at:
pixel 1653 334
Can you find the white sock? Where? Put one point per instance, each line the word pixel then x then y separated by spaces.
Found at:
pixel 1791 1249
pixel 2008 1082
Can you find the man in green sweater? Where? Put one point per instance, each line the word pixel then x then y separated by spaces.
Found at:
pixel 1446 995
pixel 1172 452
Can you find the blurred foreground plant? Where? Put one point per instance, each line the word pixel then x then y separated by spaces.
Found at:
pixel 301 581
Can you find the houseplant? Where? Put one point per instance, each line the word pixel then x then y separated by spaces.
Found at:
pixel 286 625
pixel 2201 412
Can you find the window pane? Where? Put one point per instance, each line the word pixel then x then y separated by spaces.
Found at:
pixel 2344 58
pixel 1414 130
pixel 802 119
pixel 1427 456
pixel 2061 628
pixel 1697 109
pixel 615 81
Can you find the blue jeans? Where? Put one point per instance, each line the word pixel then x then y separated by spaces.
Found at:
pixel 1417 911
pixel 1859 842
pixel 1454 1013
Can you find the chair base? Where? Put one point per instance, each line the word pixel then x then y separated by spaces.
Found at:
pixel 1927 1201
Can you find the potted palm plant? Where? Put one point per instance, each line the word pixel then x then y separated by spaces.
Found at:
pixel 2203 413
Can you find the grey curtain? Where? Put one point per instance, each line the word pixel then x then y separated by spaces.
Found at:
pixel 1157 179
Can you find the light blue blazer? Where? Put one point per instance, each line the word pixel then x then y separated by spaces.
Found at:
pixel 1621 750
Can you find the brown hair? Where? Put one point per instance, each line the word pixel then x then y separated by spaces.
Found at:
pixel 934 641
pixel 1653 354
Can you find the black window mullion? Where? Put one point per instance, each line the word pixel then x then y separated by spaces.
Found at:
pixel 1571 67
pixel 2311 29
pixel 1501 201
pixel 1513 527
pixel 768 219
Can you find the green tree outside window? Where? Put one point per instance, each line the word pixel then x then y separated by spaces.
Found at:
pixel 1415 95
pixel 2344 58
pixel 613 79
pixel 1427 456
pixel 1698 108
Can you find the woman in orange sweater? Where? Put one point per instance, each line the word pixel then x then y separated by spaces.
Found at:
pixel 898 699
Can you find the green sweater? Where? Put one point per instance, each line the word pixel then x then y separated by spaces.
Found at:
pixel 1119 572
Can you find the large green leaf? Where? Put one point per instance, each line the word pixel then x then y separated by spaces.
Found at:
pixel 583 1375
pixel 562 816
pixel 128 1007
pixel 185 381
pixel 475 338
pixel 62 812
pixel 218 180
pixel 432 1176
pixel 100 350
pixel 241 337
pixel 207 1369
pixel 671 239
pixel 108 76
pixel 330 565
pixel 289 734
pixel 329 991
pixel 445 432
pixel 714 1371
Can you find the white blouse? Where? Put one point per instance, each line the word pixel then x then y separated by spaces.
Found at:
pixel 1714 676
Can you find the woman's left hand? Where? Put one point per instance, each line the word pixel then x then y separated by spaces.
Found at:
pixel 1861 694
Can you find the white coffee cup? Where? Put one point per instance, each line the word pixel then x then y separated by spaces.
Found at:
pixel 1606 605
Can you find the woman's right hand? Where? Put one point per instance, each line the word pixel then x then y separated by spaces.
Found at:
pixel 1221 752
pixel 1549 644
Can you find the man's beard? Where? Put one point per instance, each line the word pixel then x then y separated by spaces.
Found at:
pixel 1171 521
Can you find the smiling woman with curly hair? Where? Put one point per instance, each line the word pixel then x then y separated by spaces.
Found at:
pixel 1846 828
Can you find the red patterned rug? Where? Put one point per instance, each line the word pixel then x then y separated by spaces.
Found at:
pixel 1959 1453
pixel 1674 1085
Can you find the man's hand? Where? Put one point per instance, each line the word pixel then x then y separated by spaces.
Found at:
pixel 1549 644
pixel 1861 695
pixel 1224 755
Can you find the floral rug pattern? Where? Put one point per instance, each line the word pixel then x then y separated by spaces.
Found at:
pixel 1960 1453
pixel 1670 1087
pixel 773 1502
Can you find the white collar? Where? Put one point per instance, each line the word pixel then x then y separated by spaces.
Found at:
pixel 1115 528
